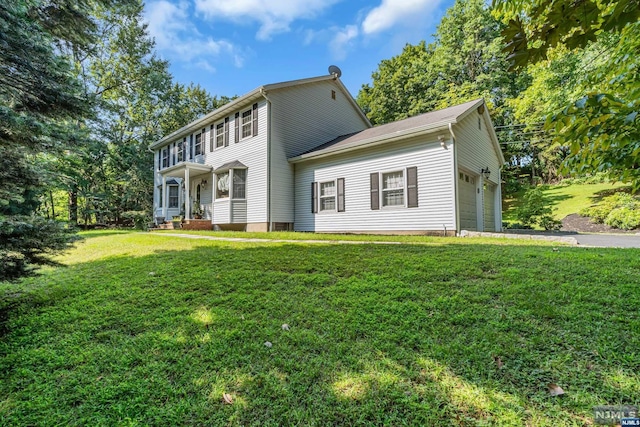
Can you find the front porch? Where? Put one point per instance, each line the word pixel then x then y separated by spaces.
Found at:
pixel 195 195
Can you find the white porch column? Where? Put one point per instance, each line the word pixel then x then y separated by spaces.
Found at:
pixel 165 202
pixel 187 185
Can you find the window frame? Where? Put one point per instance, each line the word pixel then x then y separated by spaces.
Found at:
pixel 249 123
pixel 197 147
pixel 232 186
pixel 180 151
pixel 383 190
pixel 169 196
pixel 325 197
pixel 165 157
pixel 219 135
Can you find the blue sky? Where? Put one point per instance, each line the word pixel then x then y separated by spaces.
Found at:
pixel 230 47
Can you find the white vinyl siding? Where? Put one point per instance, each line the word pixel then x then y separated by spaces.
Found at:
pixel 304 117
pixel 435 187
pixel 252 152
pixel 475 151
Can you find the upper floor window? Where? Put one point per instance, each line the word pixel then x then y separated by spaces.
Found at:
pixel 246 124
pixel 165 157
pixel 180 151
pixel 220 135
pixel 198 146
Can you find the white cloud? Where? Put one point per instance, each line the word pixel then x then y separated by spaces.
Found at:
pixel 176 36
pixel 342 41
pixel 393 12
pixel 274 16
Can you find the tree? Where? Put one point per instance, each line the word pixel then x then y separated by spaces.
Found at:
pixel 600 123
pixel 464 62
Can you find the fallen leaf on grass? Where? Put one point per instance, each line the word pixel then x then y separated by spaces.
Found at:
pixel 555 389
pixel 268 344
pixel 226 398
pixel 285 327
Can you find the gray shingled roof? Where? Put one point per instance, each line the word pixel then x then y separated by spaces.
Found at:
pixel 445 116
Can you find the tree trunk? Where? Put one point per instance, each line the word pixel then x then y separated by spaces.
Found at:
pixel 73 206
pixel 53 209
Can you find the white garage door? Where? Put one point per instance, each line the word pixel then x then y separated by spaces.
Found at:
pixel 489 207
pixel 467 201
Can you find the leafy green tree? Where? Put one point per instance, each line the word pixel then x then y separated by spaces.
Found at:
pixel 599 124
pixel 464 62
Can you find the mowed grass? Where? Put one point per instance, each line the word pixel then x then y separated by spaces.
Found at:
pixel 142 329
pixel 565 199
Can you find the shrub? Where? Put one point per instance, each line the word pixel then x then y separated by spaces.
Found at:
pixel 625 218
pixel 600 212
pixel 26 242
pixel 536 210
pixel 140 219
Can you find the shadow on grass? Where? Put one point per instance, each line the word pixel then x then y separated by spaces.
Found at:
pixel 597 197
pixel 411 335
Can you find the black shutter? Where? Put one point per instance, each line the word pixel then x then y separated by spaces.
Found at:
pixel 236 128
pixel 412 187
pixel 211 138
pixel 255 120
pixel 314 197
pixel 191 147
pixel 226 131
pixel 159 159
pixel 340 194
pixel 375 192
pixel 174 148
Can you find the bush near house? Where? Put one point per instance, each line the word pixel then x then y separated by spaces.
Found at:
pixel 620 210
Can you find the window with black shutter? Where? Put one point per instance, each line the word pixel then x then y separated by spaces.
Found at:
pixel 375 191
pixel 314 197
pixel 340 194
pixel 412 187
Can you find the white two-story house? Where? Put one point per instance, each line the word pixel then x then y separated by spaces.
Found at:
pixel 302 155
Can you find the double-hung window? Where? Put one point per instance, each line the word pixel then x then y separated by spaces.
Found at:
pixel 393 188
pixel 180 151
pixel 246 124
pixel 198 146
pixel 397 188
pixel 173 196
pixel 328 196
pixel 220 135
pixel 239 183
pixel 165 157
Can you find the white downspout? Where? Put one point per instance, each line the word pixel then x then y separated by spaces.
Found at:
pixel 456 225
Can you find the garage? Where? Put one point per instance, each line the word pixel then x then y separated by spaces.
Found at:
pixel 467 201
pixel 489 207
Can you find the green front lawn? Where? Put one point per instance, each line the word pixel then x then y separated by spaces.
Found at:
pixel 140 329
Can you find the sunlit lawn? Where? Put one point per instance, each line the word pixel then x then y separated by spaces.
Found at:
pixel 142 329
pixel 565 199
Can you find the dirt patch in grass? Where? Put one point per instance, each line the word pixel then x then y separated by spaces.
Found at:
pixel 582 224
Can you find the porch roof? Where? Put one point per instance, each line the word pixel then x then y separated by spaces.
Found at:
pixel 180 170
